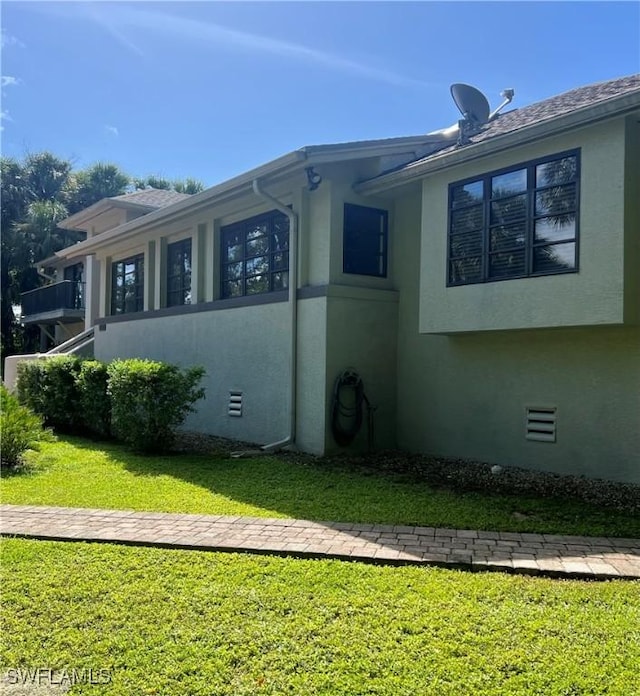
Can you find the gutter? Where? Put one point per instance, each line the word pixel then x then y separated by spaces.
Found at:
pixel 522 136
pixel 228 189
pixel 293 315
pixel 236 186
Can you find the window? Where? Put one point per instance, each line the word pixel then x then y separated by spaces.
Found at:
pixel 127 285
pixel 75 274
pixel 179 273
pixel 515 223
pixel 365 241
pixel 255 255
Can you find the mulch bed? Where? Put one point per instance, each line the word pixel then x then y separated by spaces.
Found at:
pixel 442 472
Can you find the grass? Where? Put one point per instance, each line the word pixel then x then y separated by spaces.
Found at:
pixel 75 472
pixel 170 622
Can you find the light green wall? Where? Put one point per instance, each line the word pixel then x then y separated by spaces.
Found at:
pixel 459 395
pixel 245 348
pixel 465 396
pixel 362 334
pixel 341 185
pixel 594 296
pixel 311 381
pixel 315 235
pixel 356 321
pixel 632 221
pixel 108 220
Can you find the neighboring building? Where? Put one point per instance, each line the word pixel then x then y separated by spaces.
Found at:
pixel 58 308
pixel 487 291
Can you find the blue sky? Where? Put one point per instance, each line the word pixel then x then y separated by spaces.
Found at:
pixel 210 89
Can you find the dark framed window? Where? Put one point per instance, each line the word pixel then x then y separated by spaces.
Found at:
pixel 255 255
pixel 179 273
pixel 515 223
pixel 75 274
pixel 365 240
pixel 127 285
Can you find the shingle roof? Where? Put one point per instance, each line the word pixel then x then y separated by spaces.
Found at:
pixel 153 198
pixel 548 109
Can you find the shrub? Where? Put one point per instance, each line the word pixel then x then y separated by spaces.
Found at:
pixel 49 388
pixel 95 406
pixel 30 385
pixel 21 429
pixel 149 400
pixel 62 394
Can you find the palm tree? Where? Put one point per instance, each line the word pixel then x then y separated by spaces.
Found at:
pixel 40 229
pixel 99 181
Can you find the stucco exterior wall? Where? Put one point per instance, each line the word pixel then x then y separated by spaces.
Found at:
pixel 311 394
pixel 593 296
pixel 242 348
pixel 632 221
pixel 342 192
pixel 362 334
pixel 109 219
pixel 465 396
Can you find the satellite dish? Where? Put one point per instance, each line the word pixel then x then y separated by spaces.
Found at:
pixel 472 103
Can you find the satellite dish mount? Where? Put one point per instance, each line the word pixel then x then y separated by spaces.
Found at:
pixel 475 110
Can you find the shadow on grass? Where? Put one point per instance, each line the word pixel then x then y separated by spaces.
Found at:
pixel 311 489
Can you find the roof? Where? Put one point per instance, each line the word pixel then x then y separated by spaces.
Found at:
pixel 152 198
pixel 145 200
pixel 540 114
pixel 287 165
pixel 557 106
pixel 571 109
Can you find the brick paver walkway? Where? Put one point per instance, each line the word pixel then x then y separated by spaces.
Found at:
pixel 551 554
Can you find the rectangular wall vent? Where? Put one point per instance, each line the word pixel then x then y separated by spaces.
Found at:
pixel 541 423
pixel 235 404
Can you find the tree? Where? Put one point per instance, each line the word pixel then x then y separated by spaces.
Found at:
pixel 102 180
pixel 47 178
pixel 40 231
pixel 34 198
pixel 187 185
pixel 37 194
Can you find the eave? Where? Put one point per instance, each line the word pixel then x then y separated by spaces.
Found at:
pixel 275 170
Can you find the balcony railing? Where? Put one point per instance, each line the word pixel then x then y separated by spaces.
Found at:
pixel 67 294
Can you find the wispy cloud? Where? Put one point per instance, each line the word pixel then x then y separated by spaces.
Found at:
pixel 112 130
pixel 9 81
pixel 142 20
pixel 4 116
pixel 9 40
pixel 106 21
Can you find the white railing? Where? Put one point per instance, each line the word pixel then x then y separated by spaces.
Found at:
pixel 70 347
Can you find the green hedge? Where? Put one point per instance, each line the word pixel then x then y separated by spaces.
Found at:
pixel 49 388
pixel 21 429
pixel 141 402
pixel 95 405
pixel 149 400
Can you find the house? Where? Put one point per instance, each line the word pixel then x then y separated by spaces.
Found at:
pixel 482 281
pixel 58 307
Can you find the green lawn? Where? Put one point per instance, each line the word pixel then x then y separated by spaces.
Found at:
pixel 80 473
pixel 171 622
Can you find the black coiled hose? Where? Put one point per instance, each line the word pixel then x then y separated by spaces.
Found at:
pixel 351 411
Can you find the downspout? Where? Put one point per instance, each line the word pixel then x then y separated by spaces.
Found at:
pixel 293 314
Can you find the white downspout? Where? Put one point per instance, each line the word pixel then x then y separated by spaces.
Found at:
pixel 293 309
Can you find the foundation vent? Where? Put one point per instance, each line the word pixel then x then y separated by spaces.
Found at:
pixel 235 404
pixel 541 423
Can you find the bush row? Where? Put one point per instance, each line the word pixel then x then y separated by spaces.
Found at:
pixel 140 402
